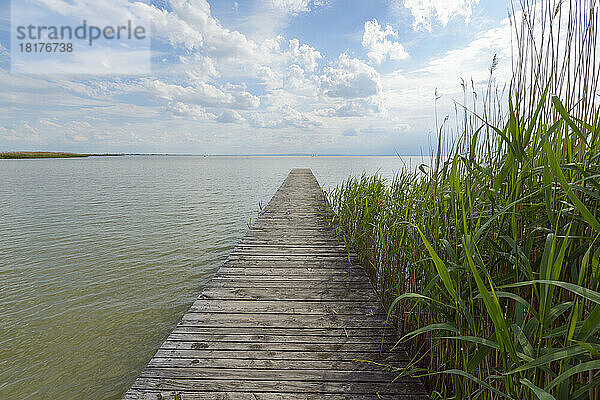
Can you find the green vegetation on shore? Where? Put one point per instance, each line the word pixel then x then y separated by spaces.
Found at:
pixel 50 154
pixel 39 154
pixel 490 257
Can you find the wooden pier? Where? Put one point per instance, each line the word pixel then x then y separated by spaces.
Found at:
pixel 289 315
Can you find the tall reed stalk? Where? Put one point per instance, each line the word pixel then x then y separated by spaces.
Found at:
pixel 490 257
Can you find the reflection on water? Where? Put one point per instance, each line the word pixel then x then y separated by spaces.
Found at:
pixel 100 257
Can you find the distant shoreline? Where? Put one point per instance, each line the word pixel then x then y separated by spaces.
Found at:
pixel 19 155
pixel 50 154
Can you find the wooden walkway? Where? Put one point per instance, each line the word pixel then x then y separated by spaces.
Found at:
pixel 287 316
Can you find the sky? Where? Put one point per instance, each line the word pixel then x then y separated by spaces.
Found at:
pixel 262 77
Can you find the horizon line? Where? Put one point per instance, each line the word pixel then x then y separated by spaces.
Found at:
pixel 263 154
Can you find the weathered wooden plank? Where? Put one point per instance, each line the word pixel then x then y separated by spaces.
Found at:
pixel 290 294
pixel 270 245
pixel 136 394
pixel 315 386
pixel 199 344
pixel 160 362
pixel 313 284
pixel 339 263
pixel 289 315
pixel 255 373
pixel 291 273
pixel 291 279
pixel 233 338
pixel 287 307
pixel 291 252
pixel 341 333
pixel 289 355
pixel 305 257
pixel 290 238
pixel 291 234
pixel 289 241
pixel 282 320
pixel 298 268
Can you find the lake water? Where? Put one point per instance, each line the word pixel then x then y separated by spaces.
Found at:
pixel 100 257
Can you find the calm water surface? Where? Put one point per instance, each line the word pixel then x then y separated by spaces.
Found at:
pixel 100 257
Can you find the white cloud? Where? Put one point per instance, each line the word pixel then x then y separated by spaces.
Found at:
pixel 361 107
pixel 370 106
pixel 402 127
pixel 199 67
pixel 212 52
pixel 45 122
pixel 192 111
pixel 350 78
pixel 78 132
pixel 294 7
pixel 293 96
pixel 295 78
pixel 230 117
pixel 473 60
pixel 284 117
pixel 224 55
pixel 376 41
pixel 426 12
pixel 219 42
pixel 102 61
pixel 304 55
pixel 25 133
pixel 290 6
pixel 3 52
pixel 230 96
pixel 169 26
pixel 410 94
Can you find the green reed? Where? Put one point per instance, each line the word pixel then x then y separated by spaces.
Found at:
pixel 489 258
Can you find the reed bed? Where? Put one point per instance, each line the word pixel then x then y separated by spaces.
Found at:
pixel 38 154
pixel 489 258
